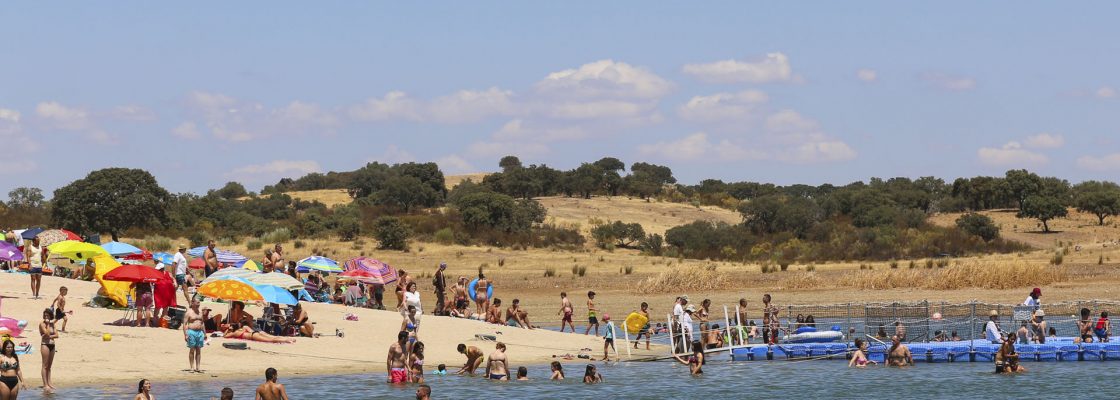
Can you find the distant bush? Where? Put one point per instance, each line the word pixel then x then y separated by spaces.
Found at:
pixel 391 233
pixel 1057 258
pixel 444 236
pixel 157 243
pixel 894 264
pixel 549 272
pixel 278 235
pixel 198 238
pixel 254 244
pixel 299 244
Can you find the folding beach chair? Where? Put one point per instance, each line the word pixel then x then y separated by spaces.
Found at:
pixel 129 311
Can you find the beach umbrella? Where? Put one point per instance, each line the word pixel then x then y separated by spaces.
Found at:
pixel 378 269
pixel 229 272
pixel 231 288
pixel 135 273
pixel 276 279
pixel 319 264
pixel 197 263
pixel 75 250
pixel 224 256
pixel 9 252
pixel 249 265
pixel 49 237
pixel 358 275
pixel 278 295
pixel 31 233
pixel 118 249
pixel 165 258
pixel 143 255
pixel 114 290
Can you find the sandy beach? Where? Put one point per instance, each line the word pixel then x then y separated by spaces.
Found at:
pixel 83 358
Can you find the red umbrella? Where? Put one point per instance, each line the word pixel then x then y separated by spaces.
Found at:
pixel 363 276
pixel 135 273
pixel 197 263
pixel 380 272
pixel 142 256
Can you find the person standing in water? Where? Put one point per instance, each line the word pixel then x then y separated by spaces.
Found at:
pixel 566 310
pixel 899 355
pixel 48 334
pixel 474 359
pixel 270 389
pixel 397 359
pixel 592 314
pixel 144 390
pixel 497 366
pixel 695 362
pixel 859 355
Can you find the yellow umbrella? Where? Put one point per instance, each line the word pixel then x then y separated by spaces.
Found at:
pixel 231 288
pixel 76 250
pixel 250 265
pixel 115 290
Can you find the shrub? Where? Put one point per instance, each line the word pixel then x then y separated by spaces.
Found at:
pixel 278 235
pixel 298 244
pixel 157 243
pixel 444 236
pixel 811 268
pixel 913 264
pixel 942 263
pixel 254 244
pixel 1057 258
pixel 1100 260
pixel 629 269
pixel 978 225
pixel 391 233
pixel 549 272
pixel 929 263
pixel 784 266
pixel 894 264
pixel 689 279
pixel 198 238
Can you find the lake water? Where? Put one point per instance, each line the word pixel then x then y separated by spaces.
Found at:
pixel 656 380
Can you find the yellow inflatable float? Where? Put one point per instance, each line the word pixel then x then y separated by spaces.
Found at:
pixel 634 322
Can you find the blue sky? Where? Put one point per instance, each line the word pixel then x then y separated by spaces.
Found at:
pixel 811 92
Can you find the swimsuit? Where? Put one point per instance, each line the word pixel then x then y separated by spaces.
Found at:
pixel 497 377
pixel 591 319
pixel 398 375
pixel 195 338
pixel 567 316
pixel 10 381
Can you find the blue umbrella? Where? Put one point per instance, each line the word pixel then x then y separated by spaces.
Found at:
pixel 319 264
pixel 117 249
pixel 275 294
pixel 224 256
pixel 30 233
pixel 164 258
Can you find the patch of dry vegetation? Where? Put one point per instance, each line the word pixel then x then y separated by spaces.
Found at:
pixel 654 216
pixel 329 197
pixel 984 275
pixel 692 278
pixel 1077 227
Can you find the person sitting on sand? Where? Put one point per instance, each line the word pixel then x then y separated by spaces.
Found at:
pixel 522 374
pixel 1084 328
pixel 396 362
pixel 513 317
pixel 494 314
pixel 301 321
pixel 859 355
pixel 695 362
pixel 899 355
pixel 237 331
pixel 591 375
pixel 497 366
pixel 474 359
pixel 557 371
pixel 416 362
pixel 270 389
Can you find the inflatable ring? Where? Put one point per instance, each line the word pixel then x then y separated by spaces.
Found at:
pixel 474 284
pixel 635 322
pixel 14 327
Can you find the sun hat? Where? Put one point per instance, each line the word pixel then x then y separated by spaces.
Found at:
pixel 690 308
pixel 606 317
pixel 182 246
pixel 994 313
pixel 1040 313
pixel 160 266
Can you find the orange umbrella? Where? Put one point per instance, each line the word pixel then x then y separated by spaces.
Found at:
pixel 231 288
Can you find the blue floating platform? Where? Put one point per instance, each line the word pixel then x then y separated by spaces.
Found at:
pixel 1054 350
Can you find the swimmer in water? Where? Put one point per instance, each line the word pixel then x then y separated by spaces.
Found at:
pixel 859 356
pixel 695 362
pixel 899 355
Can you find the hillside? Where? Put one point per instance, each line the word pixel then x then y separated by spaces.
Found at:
pixel 1079 228
pixel 654 216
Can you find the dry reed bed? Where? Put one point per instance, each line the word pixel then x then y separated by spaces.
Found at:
pixel 691 278
pixel 984 275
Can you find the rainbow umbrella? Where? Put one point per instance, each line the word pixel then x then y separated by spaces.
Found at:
pixel 379 272
pixel 224 256
pixel 76 250
pixel 228 272
pixel 250 265
pixel 319 264
pixel 231 288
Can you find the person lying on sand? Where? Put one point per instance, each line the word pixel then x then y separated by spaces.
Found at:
pixel 237 331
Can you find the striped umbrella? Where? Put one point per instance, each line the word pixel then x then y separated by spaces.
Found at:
pixel 229 272
pixel 379 271
pixel 249 265
pixel 276 279
pixel 319 264
pixel 224 256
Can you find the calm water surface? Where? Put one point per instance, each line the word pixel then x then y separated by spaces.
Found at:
pixel 659 380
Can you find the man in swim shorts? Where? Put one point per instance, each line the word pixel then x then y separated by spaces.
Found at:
pixel 37 257
pixel 395 363
pixel 567 311
pixel 592 314
pixel 899 355
pixel 497 367
pixel 474 359
pixel 194 335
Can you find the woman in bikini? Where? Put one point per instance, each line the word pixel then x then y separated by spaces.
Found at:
pixel 11 377
pixel 402 282
pixel 462 299
pixel 859 356
pixel 144 390
pixel 237 331
pixel 416 362
pixel 481 298
pixel 48 334
pixel 695 362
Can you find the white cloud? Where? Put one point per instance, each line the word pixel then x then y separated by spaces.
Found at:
pixel 774 67
pixel 63 117
pixel 133 113
pixel 605 78
pixel 1108 162
pixel 597 109
pixel 186 130
pixel 1045 141
pixel 790 121
pixel 1105 92
pixel 454 164
pixel 230 119
pixel 472 106
pixel 820 150
pixel 9 115
pixel 867 75
pixel 298 112
pixel 274 170
pixel 949 82
pixel 394 155
pixel 1010 154
pixel 13 137
pixel 690 147
pixel 724 106
pixel 517 129
pixel 394 105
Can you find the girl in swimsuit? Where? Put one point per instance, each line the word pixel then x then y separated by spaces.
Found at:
pixel 402 282
pixel 247 333
pixel 11 377
pixel 591 375
pixel 48 334
pixel 859 356
pixel 695 362
pixel 144 390
pixel 416 362
pixel 480 293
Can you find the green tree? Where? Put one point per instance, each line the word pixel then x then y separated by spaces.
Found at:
pixel 508 163
pixel 25 198
pixel 978 225
pixel 646 180
pixel 587 179
pixel 111 200
pixel 1098 198
pixel 1022 184
pixel 405 193
pixel 231 191
pixel 391 233
pixel 368 179
pixel 1043 209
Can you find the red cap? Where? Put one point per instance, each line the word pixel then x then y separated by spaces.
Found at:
pixel 1037 292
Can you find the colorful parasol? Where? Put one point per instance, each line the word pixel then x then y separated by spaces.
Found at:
pixel 224 256
pixel 119 249
pixel 9 252
pixel 75 250
pixel 273 294
pixel 231 288
pixel 276 279
pixel 229 272
pixel 250 265
pixel 319 264
pixel 49 237
pixel 379 270
pixel 166 258
pixel 135 273
pixel 197 263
